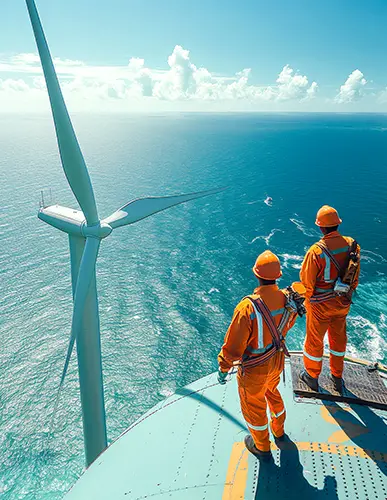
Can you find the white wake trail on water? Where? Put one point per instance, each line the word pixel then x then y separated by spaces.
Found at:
pixel 268 237
pixel 374 345
pixel 290 260
pixel 301 226
pixel 367 322
pixel 373 257
pixel 267 201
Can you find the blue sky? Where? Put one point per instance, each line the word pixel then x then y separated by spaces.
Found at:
pixel 321 41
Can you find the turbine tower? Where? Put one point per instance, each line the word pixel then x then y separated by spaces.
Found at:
pixel 86 231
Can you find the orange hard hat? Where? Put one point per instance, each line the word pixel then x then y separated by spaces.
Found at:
pixel 267 266
pixel 327 217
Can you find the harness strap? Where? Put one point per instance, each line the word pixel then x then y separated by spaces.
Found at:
pixel 278 341
pixel 267 316
pixel 322 297
pixel 327 252
pixel 330 294
pixel 259 360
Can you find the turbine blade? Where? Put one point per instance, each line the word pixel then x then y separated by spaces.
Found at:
pixel 72 160
pixel 86 272
pixel 144 207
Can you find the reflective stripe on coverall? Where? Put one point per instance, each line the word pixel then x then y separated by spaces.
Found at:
pixel 318 274
pixel 258 389
pixel 257 385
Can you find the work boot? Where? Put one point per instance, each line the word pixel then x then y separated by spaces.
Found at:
pixel 262 455
pixel 311 382
pixel 282 442
pixel 281 438
pixel 338 383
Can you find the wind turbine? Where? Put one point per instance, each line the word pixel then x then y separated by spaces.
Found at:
pixel 86 231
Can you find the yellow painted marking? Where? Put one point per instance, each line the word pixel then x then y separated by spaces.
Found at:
pixel 335 449
pixel 235 485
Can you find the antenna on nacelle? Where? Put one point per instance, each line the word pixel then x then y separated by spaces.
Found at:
pixel 42 203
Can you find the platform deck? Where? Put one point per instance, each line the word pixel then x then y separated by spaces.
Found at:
pixel 190 446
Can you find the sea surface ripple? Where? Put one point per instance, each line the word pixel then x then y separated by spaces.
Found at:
pixel 167 285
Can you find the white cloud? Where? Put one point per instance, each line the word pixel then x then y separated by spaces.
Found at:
pixel 312 90
pixel 136 64
pixel 33 60
pixel 179 81
pixel 182 85
pixel 352 90
pixel 26 58
pixel 185 81
pixel 293 86
pixel 10 85
pixel 382 96
pixel 182 81
pixel 38 82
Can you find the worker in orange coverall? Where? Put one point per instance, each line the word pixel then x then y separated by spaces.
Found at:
pixel 248 339
pixel 326 311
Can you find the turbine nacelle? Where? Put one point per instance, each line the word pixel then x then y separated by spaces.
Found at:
pixel 65 219
pixel 73 222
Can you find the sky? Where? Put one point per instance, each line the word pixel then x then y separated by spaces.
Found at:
pixel 203 55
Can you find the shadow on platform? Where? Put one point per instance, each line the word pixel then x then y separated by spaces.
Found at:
pixel 287 481
pixel 368 432
pixel 214 406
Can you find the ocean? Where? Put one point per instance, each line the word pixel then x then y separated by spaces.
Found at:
pixel 168 284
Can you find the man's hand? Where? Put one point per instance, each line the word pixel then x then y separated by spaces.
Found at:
pixel 222 376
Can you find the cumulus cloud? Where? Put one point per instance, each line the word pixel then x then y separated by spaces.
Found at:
pixel 13 85
pixel 181 81
pixel 312 90
pixel 293 86
pixel 352 90
pixel 141 77
pixel 184 80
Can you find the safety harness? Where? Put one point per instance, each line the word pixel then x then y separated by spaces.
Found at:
pixel 278 343
pixel 330 294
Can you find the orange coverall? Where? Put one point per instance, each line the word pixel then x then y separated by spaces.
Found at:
pixel 249 335
pixel 318 274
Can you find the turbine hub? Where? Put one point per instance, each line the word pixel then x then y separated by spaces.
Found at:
pixel 100 230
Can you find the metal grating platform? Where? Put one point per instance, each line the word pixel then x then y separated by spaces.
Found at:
pixel 361 386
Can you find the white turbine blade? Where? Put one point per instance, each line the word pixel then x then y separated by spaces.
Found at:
pixel 85 275
pixel 144 207
pixel 72 159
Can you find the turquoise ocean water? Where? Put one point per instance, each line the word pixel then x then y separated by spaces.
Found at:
pixel 167 285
